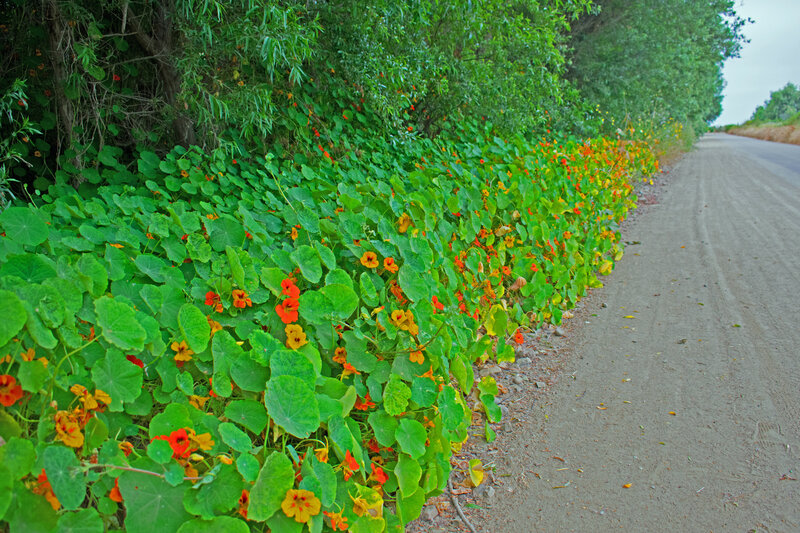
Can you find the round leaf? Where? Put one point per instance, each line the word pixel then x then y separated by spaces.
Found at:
pixel 194 327
pixel 307 258
pixel 64 475
pixel 23 226
pixel 14 316
pixel 293 405
pixel 83 521
pixel 235 437
pixel 116 376
pixel 119 324
pixel 275 478
pixel 411 436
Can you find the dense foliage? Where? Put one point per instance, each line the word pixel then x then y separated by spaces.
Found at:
pixel 251 250
pixel 655 59
pixel 782 105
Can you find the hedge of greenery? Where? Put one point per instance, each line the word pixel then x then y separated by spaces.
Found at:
pixel 210 343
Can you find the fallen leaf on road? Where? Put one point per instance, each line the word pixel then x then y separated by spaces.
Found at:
pixel 629 316
pixel 564 486
pixel 475 473
pixel 627 485
pixel 559 458
pixel 672 413
pixel 602 408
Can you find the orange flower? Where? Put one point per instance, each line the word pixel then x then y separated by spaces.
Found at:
pixel 397 292
pixel 287 310
pixel 240 299
pixel 43 487
pixel 340 355
pixel 349 369
pixel 182 352
pixel 338 522
pixel 369 260
pixel 509 241
pixel 184 174
pixel 288 288
pixel 68 429
pixel 10 390
pixel 398 318
pixel 300 504
pixel 115 494
pixel 179 442
pixel 294 234
pixel 365 404
pixel 518 338
pixel 349 465
pixel 437 305
pixel 417 357
pixel 322 453
pixel 295 336
pixel 244 502
pixel 215 326
pixel 378 474
pixel 390 265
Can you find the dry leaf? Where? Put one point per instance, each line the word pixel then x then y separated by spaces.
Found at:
pixel 627 485
pixel 518 284
pixel 629 316
pixel 559 458
pixel 672 413
pixel 475 473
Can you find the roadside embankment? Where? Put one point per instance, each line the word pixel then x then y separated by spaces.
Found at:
pixel 770 132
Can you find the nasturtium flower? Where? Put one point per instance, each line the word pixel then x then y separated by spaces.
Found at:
pixel 44 488
pixel 403 223
pixel 287 311
pixel 215 326
pixel 68 429
pixel 518 338
pixel 390 265
pixel 365 404
pixel 349 465
pixel 300 505
pixel 509 241
pixel 369 260
pixel 340 355
pixel 202 441
pixel 322 453
pixel 240 299
pixel 338 522
pixel 397 292
pixel 398 318
pixel 198 402
pixel 10 390
pixel 417 357
pixel 182 352
pixel 115 494
pixel 378 474
pixel 179 442
pixel 437 305
pixel 288 288
pixel 212 299
pixel 349 369
pixel 244 502
pixel 295 336
pixel 294 234
pixel 135 360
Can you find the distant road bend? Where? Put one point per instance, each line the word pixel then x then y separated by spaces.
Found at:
pixel 684 411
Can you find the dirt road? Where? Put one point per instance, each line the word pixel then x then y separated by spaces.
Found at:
pixel 679 407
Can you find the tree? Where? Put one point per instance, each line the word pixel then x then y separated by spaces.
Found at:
pixel 782 105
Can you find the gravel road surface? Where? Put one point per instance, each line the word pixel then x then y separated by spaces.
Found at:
pixel 678 409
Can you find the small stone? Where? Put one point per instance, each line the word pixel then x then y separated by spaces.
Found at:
pixel 517 379
pixel 429 512
pixel 604 305
pixel 524 361
pixel 507 426
pixel 540 384
pixel 559 332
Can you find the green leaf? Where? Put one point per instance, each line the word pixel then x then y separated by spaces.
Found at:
pixel 423 391
pixel 198 248
pixel 410 506
pixel 63 473
pixel 83 521
pixel 14 316
pixel 307 258
pixel 248 374
pixel 315 307
pixel 194 327
pixel 159 451
pixel 115 375
pixel 327 482
pixel 274 480
pixel 395 396
pixel 29 267
pixel 18 455
pixel 248 466
pixel 30 512
pixel 344 300
pixel 493 412
pixel 226 524
pixel 452 412
pixel 225 351
pixel 292 405
pixel 384 426
pixel 235 437
pixel 23 226
pixel 408 474
pixel 95 272
pixel 496 320
pixel 151 503
pixel 290 363
pixel 32 375
pixel 411 437
pixel 247 413
pixel 6 488
pixel 416 286
pixel 237 272
pixel 218 496
pixel 174 417
pixel 119 324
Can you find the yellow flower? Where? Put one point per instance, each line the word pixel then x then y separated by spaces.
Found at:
pixel 182 351
pixel 369 259
pixel 417 357
pixel 295 336
pixel 198 401
pixel 68 429
pixel 403 223
pixel 322 453
pixel 300 504
pixel 398 318
pixel 215 326
pixel 202 441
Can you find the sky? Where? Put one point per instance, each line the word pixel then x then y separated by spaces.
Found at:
pixel 767 63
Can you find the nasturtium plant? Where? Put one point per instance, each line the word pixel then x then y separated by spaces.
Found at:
pixel 201 342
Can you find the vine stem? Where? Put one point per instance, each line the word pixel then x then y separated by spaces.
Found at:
pixel 141 471
pixel 454 501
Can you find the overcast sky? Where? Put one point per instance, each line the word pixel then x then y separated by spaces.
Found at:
pixel 768 62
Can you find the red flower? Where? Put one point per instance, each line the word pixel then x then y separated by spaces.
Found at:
pixel 518 338
pixel 116 78
pixel 437 304
pixel 365 404
pixel 179 442
pixel 288 310
pixel 349 465
pixel 10 390
pixel 135 360
pixel 212 299
pixel 378 474
pixel 115 494
pixel 244 502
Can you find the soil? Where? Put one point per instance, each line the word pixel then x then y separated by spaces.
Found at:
pixel 671 400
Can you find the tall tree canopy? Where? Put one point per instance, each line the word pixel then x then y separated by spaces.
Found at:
pixel 654 59
pixel 782 105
